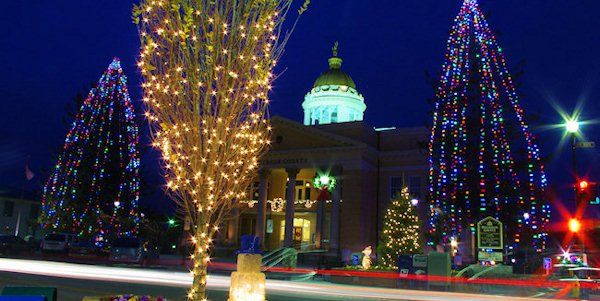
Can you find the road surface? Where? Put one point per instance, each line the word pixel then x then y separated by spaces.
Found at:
pixel 77 280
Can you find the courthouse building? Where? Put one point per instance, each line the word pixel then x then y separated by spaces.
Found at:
pixel 369 166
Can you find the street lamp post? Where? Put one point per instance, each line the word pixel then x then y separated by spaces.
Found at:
pixel 324 183
pixel 572 127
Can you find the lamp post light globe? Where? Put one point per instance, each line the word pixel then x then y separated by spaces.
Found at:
pixel 572 126
pixel 414 202
pixel 324 179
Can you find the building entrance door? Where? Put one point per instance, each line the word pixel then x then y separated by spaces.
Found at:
pixel 303 234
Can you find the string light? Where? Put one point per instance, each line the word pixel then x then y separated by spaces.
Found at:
pixel 400 233
pixel 474 136
pixel 94 189
pixel 208 70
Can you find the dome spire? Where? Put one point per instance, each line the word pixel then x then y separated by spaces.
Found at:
pixel 335 62
pixel 335 48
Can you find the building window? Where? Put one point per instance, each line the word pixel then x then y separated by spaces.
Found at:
pixel 254 190
pixel 9 207
pixel 302 190
pixel 395 186
pixel 334 115
pixel 414 187
pixel 34 211
pixel 302 232
pixel 307 191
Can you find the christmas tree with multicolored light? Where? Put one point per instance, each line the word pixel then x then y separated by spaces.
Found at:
pixel 94 189
pixel 484 160
pixel 400 234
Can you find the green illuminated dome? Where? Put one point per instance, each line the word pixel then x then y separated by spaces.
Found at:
pixel 333 98
pixel 334 76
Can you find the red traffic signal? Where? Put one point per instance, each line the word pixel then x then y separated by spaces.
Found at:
pixel 586 191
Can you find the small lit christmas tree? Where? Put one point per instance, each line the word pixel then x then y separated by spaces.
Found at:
pixel 94 189
pixel 400 233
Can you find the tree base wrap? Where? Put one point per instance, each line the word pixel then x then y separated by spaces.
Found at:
pixel 248 282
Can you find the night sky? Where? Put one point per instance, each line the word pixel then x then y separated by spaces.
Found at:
pixel 50 50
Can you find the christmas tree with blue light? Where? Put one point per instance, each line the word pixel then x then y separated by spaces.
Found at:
pixel 94 189
pixel 484 160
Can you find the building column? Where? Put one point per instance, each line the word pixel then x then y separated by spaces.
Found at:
pixel 288 240
pixel 320 223
pixel 334 230
pixel 233 225
pixel 261 208
pixel 321 217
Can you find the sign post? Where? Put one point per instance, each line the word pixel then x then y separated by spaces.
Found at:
pixel 490 240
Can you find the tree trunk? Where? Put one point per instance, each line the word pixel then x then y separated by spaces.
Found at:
pixel 198 290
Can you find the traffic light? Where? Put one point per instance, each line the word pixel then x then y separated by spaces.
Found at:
pixel 586 191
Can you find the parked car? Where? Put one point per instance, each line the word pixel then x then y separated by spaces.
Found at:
pixel 84 248
pixel 11 245
pixel 132 249
pixel 57 242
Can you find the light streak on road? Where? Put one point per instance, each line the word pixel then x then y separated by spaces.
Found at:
pixel 219 282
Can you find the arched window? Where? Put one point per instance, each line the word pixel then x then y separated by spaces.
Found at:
pixel 334 115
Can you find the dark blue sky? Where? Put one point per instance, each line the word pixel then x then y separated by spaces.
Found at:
pixel 50 50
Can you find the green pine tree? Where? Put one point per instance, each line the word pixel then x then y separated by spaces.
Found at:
pixel 400 234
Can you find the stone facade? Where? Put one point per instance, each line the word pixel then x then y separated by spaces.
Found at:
pixel 368 165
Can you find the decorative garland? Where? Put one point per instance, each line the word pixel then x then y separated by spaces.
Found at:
pixel 278 204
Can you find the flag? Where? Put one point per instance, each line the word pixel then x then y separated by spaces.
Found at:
pixel 28 173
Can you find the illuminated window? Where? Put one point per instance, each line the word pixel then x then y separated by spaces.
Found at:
pixel 301 229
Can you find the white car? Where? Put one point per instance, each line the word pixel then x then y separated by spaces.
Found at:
pixel 57 242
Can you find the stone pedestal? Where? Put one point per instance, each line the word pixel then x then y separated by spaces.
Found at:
pixel 248 282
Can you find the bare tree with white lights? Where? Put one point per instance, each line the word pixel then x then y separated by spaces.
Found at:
pixel 208 66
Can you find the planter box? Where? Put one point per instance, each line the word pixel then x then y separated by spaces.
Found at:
pixel 48 292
